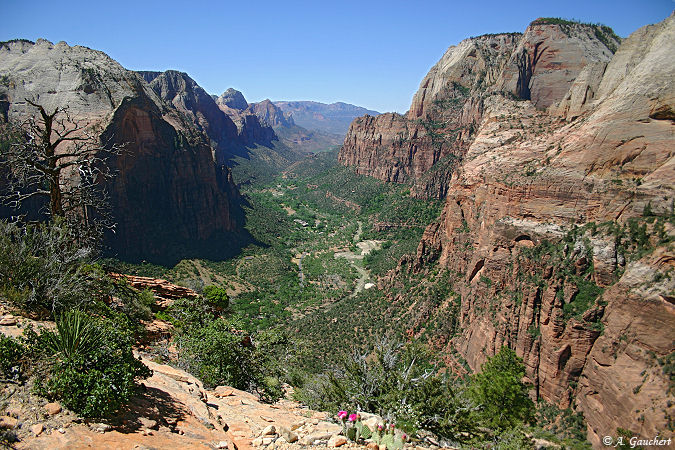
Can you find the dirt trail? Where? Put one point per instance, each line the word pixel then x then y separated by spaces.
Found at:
pixel 356 260
pixel 176 411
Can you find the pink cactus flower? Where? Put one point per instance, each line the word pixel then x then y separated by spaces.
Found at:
pixel 380 427
pixel 342 415
pixel 404 437
pixel 392 426
pixel 353 417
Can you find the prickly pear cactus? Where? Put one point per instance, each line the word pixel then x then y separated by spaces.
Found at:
pixel 397 444
pixel 364 431
pixel 387 440
pixel 352 434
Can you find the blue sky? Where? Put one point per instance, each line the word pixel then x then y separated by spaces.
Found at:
pixel 371 53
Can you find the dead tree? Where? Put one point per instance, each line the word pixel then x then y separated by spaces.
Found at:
pixel 57 157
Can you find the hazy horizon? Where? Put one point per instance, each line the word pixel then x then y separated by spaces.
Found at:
pixel 369 54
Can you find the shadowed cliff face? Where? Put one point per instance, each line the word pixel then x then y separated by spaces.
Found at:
pixel 170 199
pixel 185 95
pixel 558 223
pixel 183 204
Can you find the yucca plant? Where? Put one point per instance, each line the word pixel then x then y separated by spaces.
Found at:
pixel 77 334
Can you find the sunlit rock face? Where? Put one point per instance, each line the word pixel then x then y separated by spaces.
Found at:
pixel 527 137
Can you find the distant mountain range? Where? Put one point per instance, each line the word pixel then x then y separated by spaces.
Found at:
pixel 333 118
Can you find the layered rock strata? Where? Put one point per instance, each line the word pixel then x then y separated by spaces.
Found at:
pixel 423 146
pixel 558 224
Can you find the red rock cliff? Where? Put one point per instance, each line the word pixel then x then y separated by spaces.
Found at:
pixel 558 223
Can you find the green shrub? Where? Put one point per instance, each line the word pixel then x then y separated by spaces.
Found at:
pixel 513 439
pixel 136 305
pixel 397 381
pixel 584 299
pixel 217 295
pixel 43 269
pixel 217 353
pixel 11 352
pixel 92 369
pixel 191 312
pixel 76 335
pixel 500 392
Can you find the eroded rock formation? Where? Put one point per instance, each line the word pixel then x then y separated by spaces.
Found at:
pixel 169 199
pixel 558 224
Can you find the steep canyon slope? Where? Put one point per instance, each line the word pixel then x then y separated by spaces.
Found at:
pixel 554 152
pixel 169 198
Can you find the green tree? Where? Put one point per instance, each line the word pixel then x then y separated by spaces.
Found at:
pixel 217 296
pixel 501 393
pixel 218 353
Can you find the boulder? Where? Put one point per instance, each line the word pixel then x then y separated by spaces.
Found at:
pixel 52 408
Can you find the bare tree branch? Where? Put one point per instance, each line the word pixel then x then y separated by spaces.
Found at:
pixel 53 155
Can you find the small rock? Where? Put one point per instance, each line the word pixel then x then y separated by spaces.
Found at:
pixel 270 430
pixel 267 419
pixel 337 440
pixel 372 446
pixel 268 440
pixel 171 421
pixel 297 425
pixel 372 420
pixel 148 423
pixel 8 423
pixel 204 397
pixel 288 435
pixel 223 391
pixel 14 411
pixel 61 430
pixel 53 408
pixel 320 415
pixel 257 442
pixel 222 444
pixel 310 439
pixel 37 429
pixel 8 320
pixel 100 427
pixel 315 421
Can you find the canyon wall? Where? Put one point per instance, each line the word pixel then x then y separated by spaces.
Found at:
pixel 558 224
pixel 170 199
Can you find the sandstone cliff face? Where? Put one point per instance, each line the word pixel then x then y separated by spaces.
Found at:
pixel 540 65
pixel 549 58
pixel 558 223
pixel 264 122
pixel 250 128
pixel 232 98
pixel 199 108
pixel 440 124
pixel 169 199
pixel 271 115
